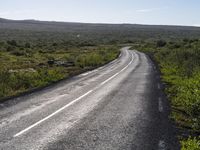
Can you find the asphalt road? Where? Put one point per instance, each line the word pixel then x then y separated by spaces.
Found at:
pixel 118 106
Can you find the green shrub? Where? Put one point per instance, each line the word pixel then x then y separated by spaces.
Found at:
pixel 12 43
pixel 18 52
pixel 89 60
pixel 180 67
pixel 190 144
pixel 27 45
pixel 161 43
pixel 24 68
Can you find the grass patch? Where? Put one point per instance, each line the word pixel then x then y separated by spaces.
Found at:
pixel 179 62
pixel 190 144
pixel 24 68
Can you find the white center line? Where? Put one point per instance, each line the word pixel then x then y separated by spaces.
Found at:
pixel 53 114
pixel 71 103
pixel 104 82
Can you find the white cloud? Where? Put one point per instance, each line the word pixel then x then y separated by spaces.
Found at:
pixel 14 13
pixel 196 25
pixel 150 10
pixel 4 13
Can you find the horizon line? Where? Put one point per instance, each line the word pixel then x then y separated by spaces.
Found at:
pixel 105 23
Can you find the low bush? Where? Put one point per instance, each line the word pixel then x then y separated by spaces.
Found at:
pixel 23 69
pixel 190 144
pixel 180 67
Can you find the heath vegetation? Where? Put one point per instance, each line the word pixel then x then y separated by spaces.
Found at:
pixel 179 62
pixel 34 54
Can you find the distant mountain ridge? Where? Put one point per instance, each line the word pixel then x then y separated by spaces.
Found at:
pixel 6 23
pixel 22 29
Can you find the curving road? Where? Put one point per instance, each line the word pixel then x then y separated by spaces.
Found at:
pixel 118 106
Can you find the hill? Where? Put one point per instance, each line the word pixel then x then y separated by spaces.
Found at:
pixel 97 33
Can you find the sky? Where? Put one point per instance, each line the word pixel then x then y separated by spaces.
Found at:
pixel 159 12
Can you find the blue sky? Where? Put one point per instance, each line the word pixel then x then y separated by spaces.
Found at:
pixel 170 12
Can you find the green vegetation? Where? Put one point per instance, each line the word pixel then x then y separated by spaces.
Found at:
pixel 179 63
pixel 34 54
pixel 190 144
pixel 85 34
pixel 24 67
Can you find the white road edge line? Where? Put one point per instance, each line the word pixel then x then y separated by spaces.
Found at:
pixel 71 103
pixel 161 145
pixel 87 73
pixel 93 71
pixel 159 87
pixel 160 105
